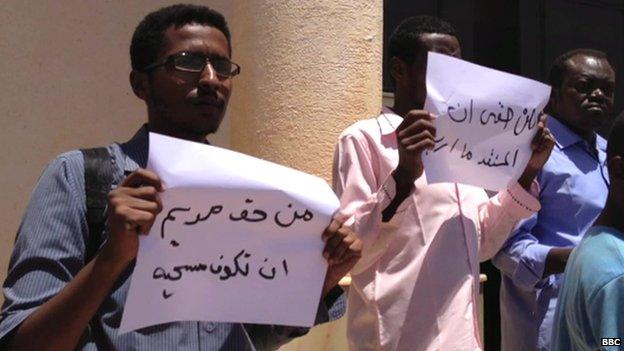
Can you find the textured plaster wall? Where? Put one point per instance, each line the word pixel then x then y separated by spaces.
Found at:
pixel 309 69
pixel 64 74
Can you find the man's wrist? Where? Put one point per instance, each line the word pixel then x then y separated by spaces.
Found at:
pixel 404 181
pixel 111 261
pixel 526 179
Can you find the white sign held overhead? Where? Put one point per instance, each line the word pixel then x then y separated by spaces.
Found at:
pixel 486 121
pixel 238 240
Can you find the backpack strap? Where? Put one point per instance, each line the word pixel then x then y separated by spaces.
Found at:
pixel 98 174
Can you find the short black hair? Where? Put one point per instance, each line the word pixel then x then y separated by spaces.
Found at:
pixel 147 40
pixel 559 67
pixel 615 145
pixel 405 41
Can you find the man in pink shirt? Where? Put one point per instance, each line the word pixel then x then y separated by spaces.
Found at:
pixel 416 285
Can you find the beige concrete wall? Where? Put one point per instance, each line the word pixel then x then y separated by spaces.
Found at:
pixel 64 74
pixel 310 69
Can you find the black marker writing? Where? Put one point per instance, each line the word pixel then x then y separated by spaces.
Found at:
pixel 170 217
pixel 213 210
pixel 493 160
pixel 240 267
pixel 525 122
pixel 160 273
pixel 228 272
pixel 218 269
pixel 166 295
pixel 259 215
pixel 467 154
pixel 525 119
pixel 439 141
pixel 306 216
pixel 263 274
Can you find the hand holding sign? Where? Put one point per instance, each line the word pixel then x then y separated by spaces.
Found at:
pixel 132 208
pixel 486 121
pixel 415 134
pixel 542 145
pixel 342 250
pixel 238 239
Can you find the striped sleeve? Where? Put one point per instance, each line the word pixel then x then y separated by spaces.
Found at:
pixel 50 243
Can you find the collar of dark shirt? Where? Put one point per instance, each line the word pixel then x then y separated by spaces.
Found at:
pixel 565 137
pixel 136 150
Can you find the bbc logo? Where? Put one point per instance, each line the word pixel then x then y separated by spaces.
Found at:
pixel 611 341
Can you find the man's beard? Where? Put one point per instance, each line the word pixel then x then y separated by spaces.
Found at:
pixel 163 113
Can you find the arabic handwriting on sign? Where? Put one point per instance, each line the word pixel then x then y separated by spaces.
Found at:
pixel 454 144
pixel 285 265
pixel 501 114
pixel 266 276
pixel 467 113
pixel 259 215
pixel 220 270
pixel 171 217
pixel 237 267
pixel 493 159
pixel 467 154
pixel 439 141
pixel 166 295
pixel 526 121
pixel 161 273
pixel 217 270
pixel 229 272
pixel 306 216
pixel 213 210
pixel 439 145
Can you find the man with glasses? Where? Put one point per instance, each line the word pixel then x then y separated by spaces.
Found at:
pixel 573 190
pixel 61 296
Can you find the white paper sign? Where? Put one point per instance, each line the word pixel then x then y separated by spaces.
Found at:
pixel 486 121
pixel 238 240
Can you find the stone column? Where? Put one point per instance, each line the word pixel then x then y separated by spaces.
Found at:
pixel 309 69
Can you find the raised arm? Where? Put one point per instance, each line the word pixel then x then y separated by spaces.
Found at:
pixel 500 214
pixel 376 203
pixel 51 294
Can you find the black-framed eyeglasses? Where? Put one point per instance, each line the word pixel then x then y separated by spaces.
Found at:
pixel 190 62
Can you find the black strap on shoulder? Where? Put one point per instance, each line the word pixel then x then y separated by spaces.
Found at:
pixel 98 173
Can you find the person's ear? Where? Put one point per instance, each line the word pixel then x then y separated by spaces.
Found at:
pixel 140 83
pixel 616 168
pixel 398 69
